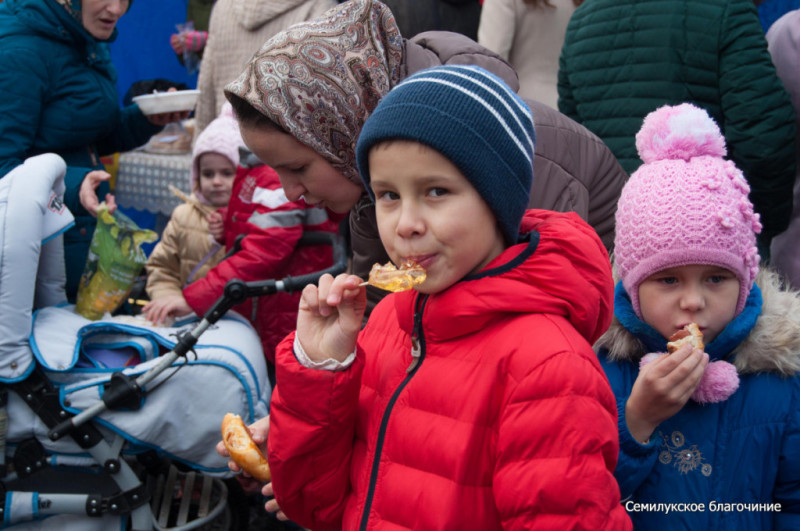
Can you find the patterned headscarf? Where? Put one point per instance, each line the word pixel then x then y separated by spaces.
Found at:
pixel 321 79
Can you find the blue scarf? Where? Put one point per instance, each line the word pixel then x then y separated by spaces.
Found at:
pixel 730 337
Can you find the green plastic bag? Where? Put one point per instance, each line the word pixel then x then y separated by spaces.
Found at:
pixel 115 260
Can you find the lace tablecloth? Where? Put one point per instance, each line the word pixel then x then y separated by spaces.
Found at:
pixel 142 180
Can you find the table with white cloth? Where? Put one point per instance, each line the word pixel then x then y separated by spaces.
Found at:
pixel 143 178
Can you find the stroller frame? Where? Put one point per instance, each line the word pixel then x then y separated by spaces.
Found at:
pixel 126 392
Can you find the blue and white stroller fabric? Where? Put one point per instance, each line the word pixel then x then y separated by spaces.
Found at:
pixel 50 356
pixel 32 220
pixel 182 408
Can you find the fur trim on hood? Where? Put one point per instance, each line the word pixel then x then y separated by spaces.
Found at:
pixel 772 346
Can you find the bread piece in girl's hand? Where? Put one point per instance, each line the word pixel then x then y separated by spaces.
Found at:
pixel 688 334
pixel 243 449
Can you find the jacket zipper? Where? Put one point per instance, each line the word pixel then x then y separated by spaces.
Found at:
pixel 418 345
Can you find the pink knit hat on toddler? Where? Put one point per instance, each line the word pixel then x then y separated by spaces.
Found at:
pixel 220 136
pixel 685 205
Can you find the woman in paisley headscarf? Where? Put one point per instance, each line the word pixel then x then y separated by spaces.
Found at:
pixel 305 95
pixel 59 96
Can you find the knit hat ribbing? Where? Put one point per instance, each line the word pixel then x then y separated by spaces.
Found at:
pixel 220 136
pixel 685 205
pixel 473 119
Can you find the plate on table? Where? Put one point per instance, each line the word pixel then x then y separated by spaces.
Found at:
pixel 161 102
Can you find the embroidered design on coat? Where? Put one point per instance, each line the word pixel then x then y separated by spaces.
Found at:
pixel 684 459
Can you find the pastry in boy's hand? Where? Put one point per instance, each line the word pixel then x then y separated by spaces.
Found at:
pixel 691 334
pixel 389 278
pixel 244 451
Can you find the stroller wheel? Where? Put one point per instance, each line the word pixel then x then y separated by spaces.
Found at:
pixel 238 505
pixel 190 500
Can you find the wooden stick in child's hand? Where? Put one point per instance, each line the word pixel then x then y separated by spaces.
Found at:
pixel 178 192
pixel 192 201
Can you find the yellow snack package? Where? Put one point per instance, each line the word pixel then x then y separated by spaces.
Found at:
pixel 115 260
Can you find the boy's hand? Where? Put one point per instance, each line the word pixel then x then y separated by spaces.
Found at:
pixel 258 431
pixel 272 505
pixel 87 194
pixel 330 315
pixel 157 311
pixel 216 226
pixel 662 389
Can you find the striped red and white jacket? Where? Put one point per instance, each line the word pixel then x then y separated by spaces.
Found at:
pixel 272 225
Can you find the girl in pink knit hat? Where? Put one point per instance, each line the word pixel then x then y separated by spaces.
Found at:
pixel 708 439
pixel 193 240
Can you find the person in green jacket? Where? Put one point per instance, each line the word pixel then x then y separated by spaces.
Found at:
pixel 59 96
pixel 622 59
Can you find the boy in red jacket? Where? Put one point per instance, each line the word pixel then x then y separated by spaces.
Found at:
pixel 475 400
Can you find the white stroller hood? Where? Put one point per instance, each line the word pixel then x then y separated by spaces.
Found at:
pixel 32 219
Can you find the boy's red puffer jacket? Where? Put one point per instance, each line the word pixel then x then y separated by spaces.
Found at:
pixel 505 420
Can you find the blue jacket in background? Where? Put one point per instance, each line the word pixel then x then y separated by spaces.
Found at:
pixel 59 96
pixel 745 450
pixel 771 10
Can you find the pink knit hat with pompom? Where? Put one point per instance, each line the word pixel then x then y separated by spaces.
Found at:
pixel 220 136
pixel 685 205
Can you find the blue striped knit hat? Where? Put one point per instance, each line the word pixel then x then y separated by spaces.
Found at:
pixel 472 118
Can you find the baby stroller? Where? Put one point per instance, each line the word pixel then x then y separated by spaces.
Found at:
pixel 112 424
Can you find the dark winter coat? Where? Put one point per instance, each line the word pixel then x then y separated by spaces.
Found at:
pixel 623 59
pixel 416 16
pixel 59 96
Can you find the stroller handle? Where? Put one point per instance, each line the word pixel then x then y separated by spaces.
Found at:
pixel 125 391
pixel 237 291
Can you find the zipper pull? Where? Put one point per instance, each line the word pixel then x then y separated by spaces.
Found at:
pixel 93 156
pixel 415 352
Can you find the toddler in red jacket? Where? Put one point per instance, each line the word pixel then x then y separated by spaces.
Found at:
pixel 474 400
pixel 272 225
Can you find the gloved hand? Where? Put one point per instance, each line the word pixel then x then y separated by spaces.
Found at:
pixel 192 41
